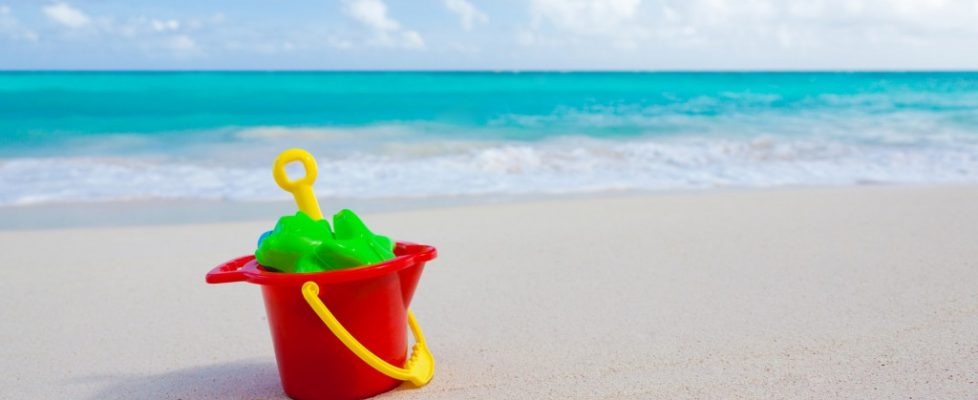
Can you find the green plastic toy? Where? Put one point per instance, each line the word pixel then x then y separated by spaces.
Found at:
pixel 299 244
pixel 354 244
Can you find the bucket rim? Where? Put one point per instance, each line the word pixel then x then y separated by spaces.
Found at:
pixel 246 268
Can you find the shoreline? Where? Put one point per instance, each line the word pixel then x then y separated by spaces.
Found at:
pixel 136 213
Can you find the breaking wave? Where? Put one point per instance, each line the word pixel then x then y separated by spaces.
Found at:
pixel 570 164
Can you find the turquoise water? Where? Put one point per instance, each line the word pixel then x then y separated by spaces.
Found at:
pixel 106 136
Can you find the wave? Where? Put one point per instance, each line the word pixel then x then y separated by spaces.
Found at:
pixel 421 168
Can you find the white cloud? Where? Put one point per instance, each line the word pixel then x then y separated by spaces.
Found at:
pixel 585 16
pixel 614 20
pixel 807 24
pixel 387 32
pixel 181 44
pixel 412 40
pixel 66 15
pixel 339 43
pixel 11 28
pixel 165 25
pixel 468 14
pixel 762 28
pixel 372 13
pixel 149 35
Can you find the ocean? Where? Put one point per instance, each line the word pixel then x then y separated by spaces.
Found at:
pixel 78 137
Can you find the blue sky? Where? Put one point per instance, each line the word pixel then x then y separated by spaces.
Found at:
pixel 504 34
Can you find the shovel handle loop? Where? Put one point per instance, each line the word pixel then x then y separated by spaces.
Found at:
pixel 301 188
pixel 418 369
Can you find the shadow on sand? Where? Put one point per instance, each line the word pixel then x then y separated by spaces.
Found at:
pixel 238 380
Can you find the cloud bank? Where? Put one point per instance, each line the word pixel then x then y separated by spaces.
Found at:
pixel 468 14
pixel 66 15
pixel 528 34
pixel 386 31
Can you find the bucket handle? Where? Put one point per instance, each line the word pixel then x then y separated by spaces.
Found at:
pixel 418 369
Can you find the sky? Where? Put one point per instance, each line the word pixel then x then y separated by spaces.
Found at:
pixel 490 35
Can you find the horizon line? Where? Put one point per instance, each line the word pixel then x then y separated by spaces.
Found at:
pixel 489 70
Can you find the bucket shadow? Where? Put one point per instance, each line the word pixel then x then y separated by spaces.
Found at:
pixel 238 380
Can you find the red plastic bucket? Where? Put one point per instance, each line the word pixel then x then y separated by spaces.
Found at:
pixel 370 301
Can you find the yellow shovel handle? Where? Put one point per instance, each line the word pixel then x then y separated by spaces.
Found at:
pixel 418 369
pixel 300 188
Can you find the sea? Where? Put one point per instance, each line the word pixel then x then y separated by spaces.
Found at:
pixel 82 137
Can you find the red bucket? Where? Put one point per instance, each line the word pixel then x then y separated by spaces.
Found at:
pixel 370 301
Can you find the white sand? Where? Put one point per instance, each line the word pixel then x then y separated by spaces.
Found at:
pixel 815 293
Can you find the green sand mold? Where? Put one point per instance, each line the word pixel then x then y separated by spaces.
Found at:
pixel 298 244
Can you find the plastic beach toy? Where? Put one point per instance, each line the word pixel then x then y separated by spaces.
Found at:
pixel 305 242
pixel 291 246
pixel 301 189
pixel 339 334
pixel 299 244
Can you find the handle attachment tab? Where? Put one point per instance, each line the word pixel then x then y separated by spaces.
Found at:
pixel 229 271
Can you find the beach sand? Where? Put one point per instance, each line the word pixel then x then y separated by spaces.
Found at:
pixel 865 292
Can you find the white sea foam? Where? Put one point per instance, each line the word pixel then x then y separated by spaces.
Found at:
pixel 422 168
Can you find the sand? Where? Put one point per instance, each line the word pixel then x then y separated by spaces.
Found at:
pixel 868 292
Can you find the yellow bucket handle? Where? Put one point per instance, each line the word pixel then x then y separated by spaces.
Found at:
pixel 418 369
